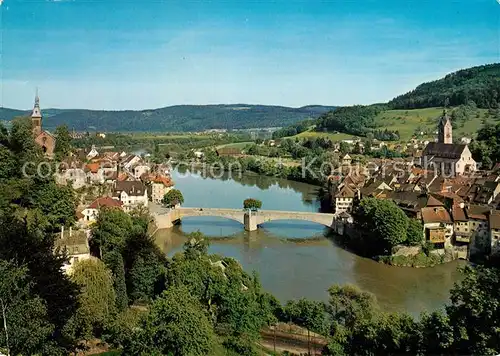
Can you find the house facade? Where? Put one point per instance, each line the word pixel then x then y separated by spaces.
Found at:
pixel 91 212
pixel 132 194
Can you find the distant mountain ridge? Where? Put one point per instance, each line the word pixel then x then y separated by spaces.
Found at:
pixel 175 118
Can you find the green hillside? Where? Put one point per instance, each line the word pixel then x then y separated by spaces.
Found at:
pixel 176 118
pixel 478 84
pixel 471 95
pixel 408 122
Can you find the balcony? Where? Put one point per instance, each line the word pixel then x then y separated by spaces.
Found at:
pixel 462 236
pixel 436 235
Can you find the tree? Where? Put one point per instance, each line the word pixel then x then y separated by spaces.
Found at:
pixel 112 228
pixel 63 142
pixel 475 311
pixel 253 204
pixel 348 305
pixel 384 223
pixel 25 328
pixel 176 324
pixel 173 198
pixel 97 297
pixel 414 232
pixel 306 313
pixel 114 261
pixel 145 268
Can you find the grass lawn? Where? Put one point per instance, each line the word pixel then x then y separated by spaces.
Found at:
pixel 407 121
pixel 239 145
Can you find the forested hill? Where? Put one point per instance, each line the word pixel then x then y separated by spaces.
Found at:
pixel 478 84
pixel 177 118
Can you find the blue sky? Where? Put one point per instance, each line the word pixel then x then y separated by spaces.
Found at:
pixel 123 54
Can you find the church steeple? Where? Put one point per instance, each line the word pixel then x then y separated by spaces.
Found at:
pixel 36 116
pixel 445 130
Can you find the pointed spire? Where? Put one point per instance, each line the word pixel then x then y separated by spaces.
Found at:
pixel 37 98
pixel 36 108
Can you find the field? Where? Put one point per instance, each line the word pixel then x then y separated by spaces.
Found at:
pixel 332 136
pixel 408 121
pixel 239 145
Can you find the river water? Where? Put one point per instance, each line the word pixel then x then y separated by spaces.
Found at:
pixel 294 258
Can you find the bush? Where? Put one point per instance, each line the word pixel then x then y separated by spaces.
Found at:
pixel 253 204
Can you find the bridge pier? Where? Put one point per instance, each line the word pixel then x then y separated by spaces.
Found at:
pixel 250 221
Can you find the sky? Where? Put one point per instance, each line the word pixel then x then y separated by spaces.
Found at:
pixel 142 54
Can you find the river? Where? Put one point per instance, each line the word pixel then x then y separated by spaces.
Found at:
pixel 302 268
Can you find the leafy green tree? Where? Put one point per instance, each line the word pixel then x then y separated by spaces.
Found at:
pixel 415 232
pixel 475 311
pixel 97 297
pixel 112 228
pixel 21 141
pixel 63 142
pixel 58 295
pixel 306 313
pixel 145 265
pixel 114 261
pixel 253 204
pixel 384 223
pixel 176 324
pixel 56 203
pixel 25 327
pixel 348 305
pixel 172 198
pixel 436 333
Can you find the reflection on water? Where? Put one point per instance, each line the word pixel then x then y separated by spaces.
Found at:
pixel 299 269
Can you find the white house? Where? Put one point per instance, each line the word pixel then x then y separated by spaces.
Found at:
pixel 160 185
pixel 344 199
pixel 91 212
pixel 76 176
pixel 93 153
pixel 140 169
pixel 76 245
pixel 131 161
pixel 131 193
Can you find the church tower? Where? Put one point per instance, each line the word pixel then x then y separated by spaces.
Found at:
pixel 36 116
pixel 445 129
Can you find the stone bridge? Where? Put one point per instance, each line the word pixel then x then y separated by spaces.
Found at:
pixel 166 218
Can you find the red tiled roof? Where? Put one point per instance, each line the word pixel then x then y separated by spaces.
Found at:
pixel 436 215
pixel 432 201
pixel 166 181
pixel 105 202
pixel 92 167
pixel 122 177
pixel 478 212
pixel 459 214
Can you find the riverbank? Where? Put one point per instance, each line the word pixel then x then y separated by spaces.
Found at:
pixel 420 260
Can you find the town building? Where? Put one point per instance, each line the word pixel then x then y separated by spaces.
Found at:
pixel 446 157
pixel 344 199
pixel 494 225
pixel 160 185
pixel 43 138
pixel 91 212
pixel 132 194
pixel 93 153
pixel 75 245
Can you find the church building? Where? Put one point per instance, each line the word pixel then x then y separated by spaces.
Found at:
pixel 43 138
pixel 446 157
